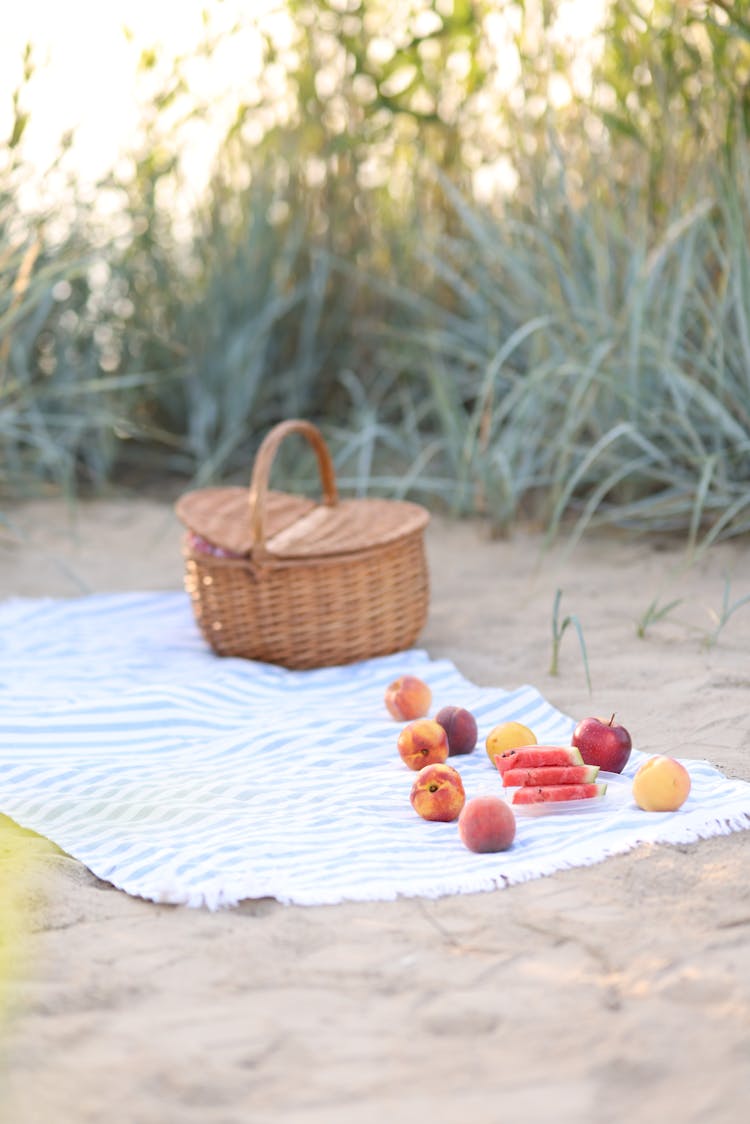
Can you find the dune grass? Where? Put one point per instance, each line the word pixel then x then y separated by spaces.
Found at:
pixel 62 414
pixel 584 373
pixel 563 358
pixel 554 367
pixel 559 628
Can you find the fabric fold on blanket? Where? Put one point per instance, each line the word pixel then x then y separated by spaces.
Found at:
pixel 182 777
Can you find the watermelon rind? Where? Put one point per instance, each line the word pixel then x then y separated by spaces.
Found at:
pixel 557 793
pixel 538 756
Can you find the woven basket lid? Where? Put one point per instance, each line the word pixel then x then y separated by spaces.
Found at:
pixel 258 521
pixel 222 516
pixel 347 527
pixel 296 527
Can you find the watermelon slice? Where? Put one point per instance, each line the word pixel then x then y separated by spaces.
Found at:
pixel 537 756
pixel 550 793
pixel 551 774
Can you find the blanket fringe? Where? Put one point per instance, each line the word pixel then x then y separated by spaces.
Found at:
pixel 230 896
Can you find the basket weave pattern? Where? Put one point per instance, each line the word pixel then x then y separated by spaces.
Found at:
pixel 310 610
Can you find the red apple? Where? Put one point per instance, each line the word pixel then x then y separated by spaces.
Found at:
pixel 603 743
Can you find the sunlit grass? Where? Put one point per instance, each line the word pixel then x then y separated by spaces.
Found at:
pixel 571 367
pixel 586 374
pixel 574 356
pixel 60 411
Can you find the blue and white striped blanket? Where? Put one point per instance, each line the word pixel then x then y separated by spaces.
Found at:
pixel 182 777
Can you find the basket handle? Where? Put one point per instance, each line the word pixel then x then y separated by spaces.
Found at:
pixel 262 471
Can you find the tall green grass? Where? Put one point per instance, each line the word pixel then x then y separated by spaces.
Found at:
pixel 53 397
pixel 568 365
pixel 574 355
pixel 575 368
pixel 257 335
pixel 64 406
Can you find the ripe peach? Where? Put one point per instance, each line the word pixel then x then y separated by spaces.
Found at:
pixel 408 697
pixel 661 785
pixel 509 735
pixel 423 742
pixel 486 824
pixel 438 793
pixel 460 727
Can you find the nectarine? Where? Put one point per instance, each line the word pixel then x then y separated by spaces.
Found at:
pixel 460 726
pixel 438 793
pixel 408 697
pixel 422 743
pixel 486 824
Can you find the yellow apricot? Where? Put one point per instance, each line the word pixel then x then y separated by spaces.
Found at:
pixel 661 785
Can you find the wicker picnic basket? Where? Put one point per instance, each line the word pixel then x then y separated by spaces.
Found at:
pixel 282 579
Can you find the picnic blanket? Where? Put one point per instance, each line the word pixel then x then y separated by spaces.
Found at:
pixel 182 777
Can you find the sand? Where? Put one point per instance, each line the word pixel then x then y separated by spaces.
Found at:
pixel 615 992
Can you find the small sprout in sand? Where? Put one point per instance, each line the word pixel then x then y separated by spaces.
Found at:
pixel 727 612
pixel 655 613
pixel 558 631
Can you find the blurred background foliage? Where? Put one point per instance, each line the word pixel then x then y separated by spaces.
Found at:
pixel 506 269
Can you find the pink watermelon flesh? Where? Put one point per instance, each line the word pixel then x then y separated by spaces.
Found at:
pixel 549 793
pixel 551 774
pixel 537 756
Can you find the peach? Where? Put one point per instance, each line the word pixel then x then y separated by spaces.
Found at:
pixel 509 735
pixel 422 743
pixel 438 793
pixel 460 727
pixel 486 824
pixel 661 785
pixel 408 697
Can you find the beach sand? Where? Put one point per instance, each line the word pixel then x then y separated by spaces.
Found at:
pixel 615 992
